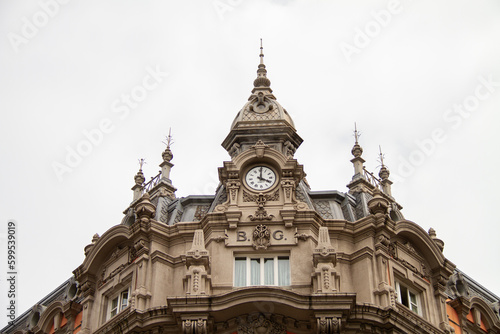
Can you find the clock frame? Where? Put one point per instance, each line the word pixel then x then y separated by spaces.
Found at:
pixel 261 178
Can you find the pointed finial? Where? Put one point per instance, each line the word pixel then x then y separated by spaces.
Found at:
pixel 356 133
pixel 169 138
pixel 167 154
pixel 356 149
pixel 141 163
pixel 261 53
pixel 262 80
pixel 139 177
pixel 381 156
pixel 384 172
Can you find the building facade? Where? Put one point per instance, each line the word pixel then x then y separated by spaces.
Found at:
pixel 265 254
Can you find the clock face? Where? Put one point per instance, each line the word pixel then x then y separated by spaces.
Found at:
pixel 260 178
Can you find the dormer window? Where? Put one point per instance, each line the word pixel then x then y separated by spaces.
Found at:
pixel 118 303
pixel 409 298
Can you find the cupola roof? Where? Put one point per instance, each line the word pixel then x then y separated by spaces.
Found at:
pixel 262 118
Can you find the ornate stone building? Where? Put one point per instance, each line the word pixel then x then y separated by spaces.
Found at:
pixel 265 254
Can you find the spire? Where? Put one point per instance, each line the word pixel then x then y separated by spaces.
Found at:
pixel 167 156
pixel 139 180
pixel 356 151
pixel 384 174
pixel 262 83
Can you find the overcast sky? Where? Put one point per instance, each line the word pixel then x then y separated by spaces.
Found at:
pixel 420 78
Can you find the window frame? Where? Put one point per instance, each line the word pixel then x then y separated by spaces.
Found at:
pixel 409 292
pixel 122 296
pixel 262 270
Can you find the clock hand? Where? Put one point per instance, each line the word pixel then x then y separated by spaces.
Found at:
pixel 260 172
pixel 262 179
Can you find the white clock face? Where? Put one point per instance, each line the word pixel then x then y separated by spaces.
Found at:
pixel 260 178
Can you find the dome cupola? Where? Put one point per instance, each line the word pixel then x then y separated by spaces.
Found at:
pixel 262 118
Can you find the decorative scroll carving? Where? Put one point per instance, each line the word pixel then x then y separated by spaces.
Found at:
pixel 288 186
pixel 302 236
pixel 260 148
pixel 234 150
pixel 289 149
pixel 232 187
pixel 87 289
pixel 221 238
pixel 194 326
pixel 261 325
pixel 328 325
pixel 247 197
pixel 261 213
pixel 261 237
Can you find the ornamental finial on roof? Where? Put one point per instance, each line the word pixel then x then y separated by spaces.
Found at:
pixel 356 150
pixel 262 80
pixel 167 154
pixel 139 177
pixel 384 172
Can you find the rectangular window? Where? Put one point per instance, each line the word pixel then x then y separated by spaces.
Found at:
pixel 262 270
pixel 409 298
pixel 117 303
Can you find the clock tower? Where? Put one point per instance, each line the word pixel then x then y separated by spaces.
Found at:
pixel 262 177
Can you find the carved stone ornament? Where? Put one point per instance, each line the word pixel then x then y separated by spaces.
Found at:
pixel 261 213
pixel 261 237
pixel 324 252
pixel 144 208
pixel 261 104
pixel 261 325
pixel 247 197
pixel 260 148
pixel 233 187
pixel 194 326
pixel 197 255
pixel 328 325
pixel 378 204
pixel 289 149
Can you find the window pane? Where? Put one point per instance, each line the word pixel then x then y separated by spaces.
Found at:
pixel 240 271
pixel 114 307
pixel 404 296
pixel 124 300
pixel 255 271
pixel 413 302
pixel 269 271
pixel 283 271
